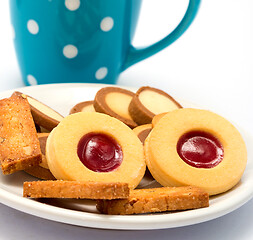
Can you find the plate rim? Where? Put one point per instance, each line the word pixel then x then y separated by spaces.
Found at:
pixel 126 222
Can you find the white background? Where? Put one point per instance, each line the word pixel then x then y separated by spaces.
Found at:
pixel 210 65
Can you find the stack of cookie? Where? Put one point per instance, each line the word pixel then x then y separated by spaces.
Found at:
pixel 101 150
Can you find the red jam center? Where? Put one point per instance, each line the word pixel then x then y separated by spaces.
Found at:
pixel 99 152
pixel 200 149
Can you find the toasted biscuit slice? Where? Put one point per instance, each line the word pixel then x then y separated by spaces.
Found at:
pixel 19 144
pixel 75 189
pixel 148 102
pixel 156 200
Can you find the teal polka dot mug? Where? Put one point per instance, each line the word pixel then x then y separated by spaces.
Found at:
pixel 59 41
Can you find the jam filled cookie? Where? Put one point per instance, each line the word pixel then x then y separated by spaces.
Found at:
pixel 43 115
pixel 115 102
pixel 41 171
pixel 196 147
pixel 95 147
pixel 83 107
pixel 148 102
pixel 19 144
pixel 143 131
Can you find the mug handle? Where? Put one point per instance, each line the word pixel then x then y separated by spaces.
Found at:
pixel 138 54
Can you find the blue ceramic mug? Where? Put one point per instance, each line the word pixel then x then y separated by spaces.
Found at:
pixel 60 41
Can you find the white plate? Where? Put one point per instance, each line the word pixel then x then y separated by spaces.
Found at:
pixel 62 97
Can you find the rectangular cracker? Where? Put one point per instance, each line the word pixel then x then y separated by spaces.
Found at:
pixel 156 200
pixel 75 189
pixel 19 144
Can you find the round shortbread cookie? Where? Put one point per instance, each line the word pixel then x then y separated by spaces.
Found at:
pixel 43 115
pixel 143 131
pixel 115 101
pixel 169 169
pixel 63 142
pixel 148 102
pixel 42 171
pixel 157 118
pixel 86 106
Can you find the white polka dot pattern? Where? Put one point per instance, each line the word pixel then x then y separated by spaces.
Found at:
pixel 101 73
pixel 31 80
pixel 72 5
pixel 32 26
pixel 106 24
pixel 70 51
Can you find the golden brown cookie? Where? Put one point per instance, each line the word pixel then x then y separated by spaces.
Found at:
pixel 41 171
pixel 157 118
pixel 148 102
pixel 143 131
pixel 37 127
pixel 156 200
pixel 19 144
pixel 83 107
pixel 198 148
pixel 75 189
pixel 95 147
pixel 43 115
pixel 115 101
